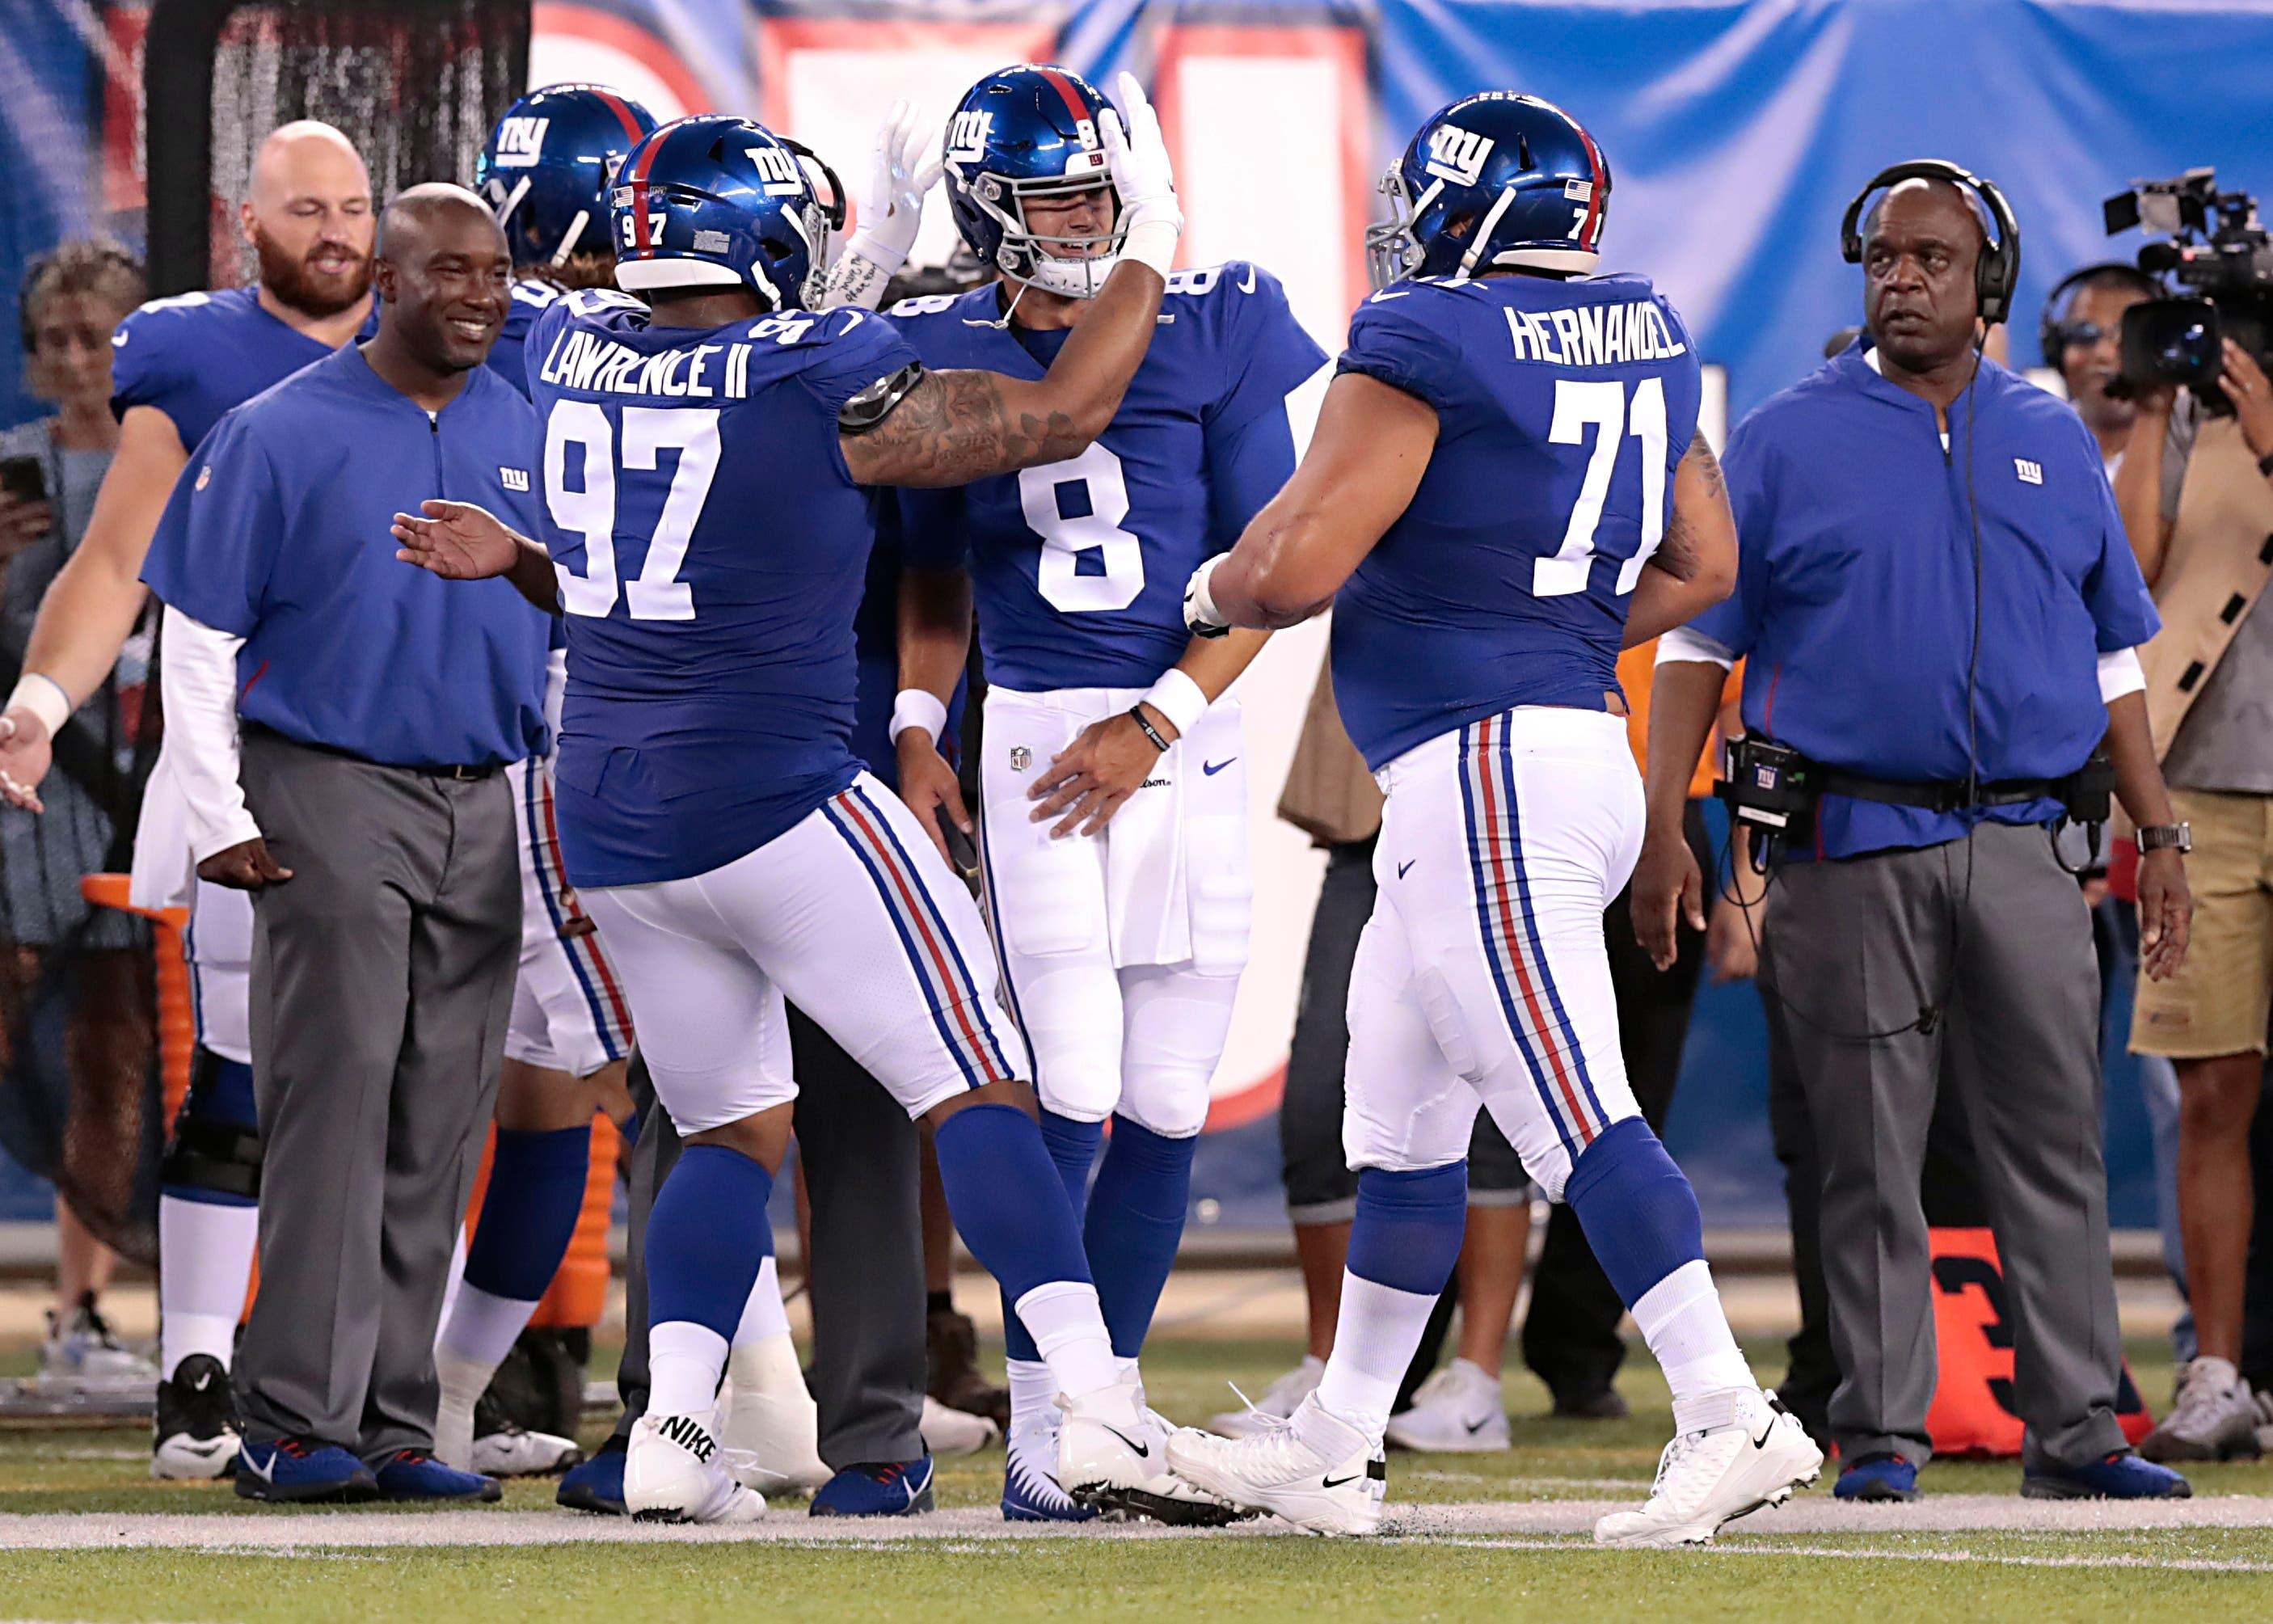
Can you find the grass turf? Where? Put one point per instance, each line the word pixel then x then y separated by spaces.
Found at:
pixel 1985 1575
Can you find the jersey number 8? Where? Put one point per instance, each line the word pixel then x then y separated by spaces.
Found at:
pixel 1058 577
pixel 692 433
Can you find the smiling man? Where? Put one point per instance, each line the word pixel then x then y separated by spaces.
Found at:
pixel 340 727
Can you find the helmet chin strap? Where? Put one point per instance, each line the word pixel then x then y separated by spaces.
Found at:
pixel 568 238
pixel 1482 233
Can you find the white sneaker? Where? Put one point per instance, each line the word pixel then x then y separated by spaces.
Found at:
pixel 670 1475
pixel 1313 1469
pixel 1279 1400
pixel 2214 1419
pixel 954 1431
pixel 1456 1412
pixel 1758 1457
pixel 1112 1454
pixel 773 1429
pixel 512 1451
pixel 81 1353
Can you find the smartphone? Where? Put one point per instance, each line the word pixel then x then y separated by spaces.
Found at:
pixel 961 851
pixel 24 479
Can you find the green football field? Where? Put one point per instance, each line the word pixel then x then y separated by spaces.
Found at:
pixel 83 1534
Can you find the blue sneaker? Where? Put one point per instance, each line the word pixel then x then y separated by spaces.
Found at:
pixel 880 1489
pixel 598 1484
pixel 1030 1485
pixel 1878 1477
pixel 2124 1475
pixel 413 1474
pixel 301 1470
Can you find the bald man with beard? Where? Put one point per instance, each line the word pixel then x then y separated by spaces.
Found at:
pixel 178 365
pixel 340 728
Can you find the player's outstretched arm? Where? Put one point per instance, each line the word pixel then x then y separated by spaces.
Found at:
pixel 934 635
pixel 460 541
pixel 1695 566
pixel 1372 444
pixel 93 603
pixel 952 427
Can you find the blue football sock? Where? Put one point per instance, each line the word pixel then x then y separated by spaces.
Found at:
pixel 1408 1230
pixel 1635 1207
pixel 706 1236
pixel 535 1194
pixel 1136 1218
pixel 1072 1146
pixel 1009 1205
pixel 217 1109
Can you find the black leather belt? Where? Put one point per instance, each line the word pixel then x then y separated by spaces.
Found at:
pixel 462 775
pixel 1954 795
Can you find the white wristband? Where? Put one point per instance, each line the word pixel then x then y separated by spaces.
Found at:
pixel 1176 696
pixel 44 697
pixel 917 707
pixel 1152 243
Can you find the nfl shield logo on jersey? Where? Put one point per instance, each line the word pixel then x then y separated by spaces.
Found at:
pixel 1021 758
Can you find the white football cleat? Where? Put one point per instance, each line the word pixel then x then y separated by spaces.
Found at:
pixel 1279 1400
pixel 1456 1412
pixel 1112 1454
pixel 512 1451
pixel 1758 1457
pixel 773 1429
pixel 1313 1469
pixel 670 1476
pixel 953 1431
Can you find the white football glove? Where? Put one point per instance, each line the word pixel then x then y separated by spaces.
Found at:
pixel 1138 159
pixel 1202 617
pixel 903 168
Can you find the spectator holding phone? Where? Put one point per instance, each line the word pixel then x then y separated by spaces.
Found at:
pixel 49 470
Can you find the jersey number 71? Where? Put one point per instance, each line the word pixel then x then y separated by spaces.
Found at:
pixel 1582 404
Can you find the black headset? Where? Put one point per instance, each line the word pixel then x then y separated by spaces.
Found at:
pixel 1996 274
pixel 2051 332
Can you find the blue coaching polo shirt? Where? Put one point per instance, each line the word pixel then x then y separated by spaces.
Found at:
pixel 1855 588
pixel 278 532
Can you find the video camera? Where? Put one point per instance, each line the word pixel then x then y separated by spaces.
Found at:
pixel 2221 256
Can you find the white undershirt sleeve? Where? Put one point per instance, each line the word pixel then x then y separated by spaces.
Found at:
pixel 197 675
pixel 1683 644
pixel 2120 673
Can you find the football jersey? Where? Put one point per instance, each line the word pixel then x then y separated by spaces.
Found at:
pixel 1078 568
pixel 198 355
pixel 1563 407
pixel 530 299
pixel 711 547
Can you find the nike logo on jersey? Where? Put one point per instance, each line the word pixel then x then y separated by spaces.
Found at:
pixel 1407 863
pixel 1248 286
pixel 1212 768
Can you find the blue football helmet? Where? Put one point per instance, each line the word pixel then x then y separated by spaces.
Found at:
pixel 716 201
pixel 548 166
pixel 1495 179
pixel 1025 132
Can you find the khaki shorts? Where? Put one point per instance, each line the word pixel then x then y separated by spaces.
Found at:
pixel 2218 1003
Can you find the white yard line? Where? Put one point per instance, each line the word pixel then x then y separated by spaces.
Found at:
pixel 1483 1523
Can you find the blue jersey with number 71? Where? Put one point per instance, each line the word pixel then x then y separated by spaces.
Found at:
pixel 712 548
pixel 1563 407
pixel 1079 566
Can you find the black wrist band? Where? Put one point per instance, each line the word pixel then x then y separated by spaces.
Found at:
pixel 2265 465
pixel 1137 714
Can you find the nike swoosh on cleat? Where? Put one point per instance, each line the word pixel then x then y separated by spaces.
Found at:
pixel 1144 1452
pixel 1477 1426
pixel 1335 1483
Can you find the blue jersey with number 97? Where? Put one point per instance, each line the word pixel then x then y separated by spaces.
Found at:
pixel 711 546
pixel 1563 407
pixel 1079 566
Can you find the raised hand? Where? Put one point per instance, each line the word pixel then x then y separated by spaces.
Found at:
pixel 456 540
pixel 1136 157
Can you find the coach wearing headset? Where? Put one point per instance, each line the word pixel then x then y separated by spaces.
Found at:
pixel 1939 611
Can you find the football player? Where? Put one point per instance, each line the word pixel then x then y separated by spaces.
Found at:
pixel 1114 805
pixel 1506 485
pixel 708 531
pixel 178 365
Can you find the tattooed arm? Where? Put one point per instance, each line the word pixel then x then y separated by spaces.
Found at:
pixel 1695 565
pixel 952 427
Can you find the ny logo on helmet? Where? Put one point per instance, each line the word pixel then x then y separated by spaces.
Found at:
pixel 966 138
pixel 520 142
pixel 1457 154
pixel 776 167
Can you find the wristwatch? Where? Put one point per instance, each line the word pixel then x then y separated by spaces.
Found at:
pixel 2167 837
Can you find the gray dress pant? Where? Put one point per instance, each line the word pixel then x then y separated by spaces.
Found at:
pixel 382 979
pixel 859 1152
pixel 1865 944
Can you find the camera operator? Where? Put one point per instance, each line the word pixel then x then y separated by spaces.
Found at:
pixel 1938 609
pixel 2196 494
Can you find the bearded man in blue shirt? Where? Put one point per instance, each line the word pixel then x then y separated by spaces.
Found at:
pixel 1939 612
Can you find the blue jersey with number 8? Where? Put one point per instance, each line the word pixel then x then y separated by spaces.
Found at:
pixel 711 547
pixel 1563 407
pixel 1079 566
